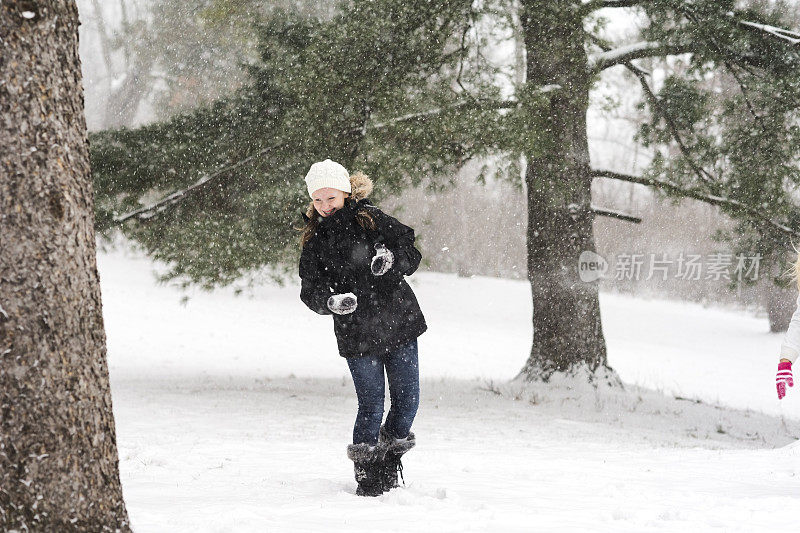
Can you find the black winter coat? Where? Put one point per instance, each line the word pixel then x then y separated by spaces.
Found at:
pixel 337 259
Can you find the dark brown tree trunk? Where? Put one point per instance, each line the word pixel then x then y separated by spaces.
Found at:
pixel 58 454
pixel 567 331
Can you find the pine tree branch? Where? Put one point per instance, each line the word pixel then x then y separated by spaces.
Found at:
pixel 701 173
pixel 608 58
pixel 205 182
pixel 789 36
pixel 728 65
pixel 467 104
pixel 734 205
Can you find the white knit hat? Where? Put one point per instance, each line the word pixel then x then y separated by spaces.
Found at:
pixel 327 174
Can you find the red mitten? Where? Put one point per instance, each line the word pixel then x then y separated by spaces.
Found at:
pixel 784 378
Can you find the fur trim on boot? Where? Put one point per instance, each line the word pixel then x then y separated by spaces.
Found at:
pixel 368 467
pixel 394 444
pixel 364 453
pixel 395 448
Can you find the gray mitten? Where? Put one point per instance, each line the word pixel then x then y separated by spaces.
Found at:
pixel 383 260
pixel 343 304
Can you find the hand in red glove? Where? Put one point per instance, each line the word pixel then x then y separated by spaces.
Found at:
pixel 784 378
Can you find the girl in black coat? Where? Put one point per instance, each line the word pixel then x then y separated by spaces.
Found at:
pixel 352 266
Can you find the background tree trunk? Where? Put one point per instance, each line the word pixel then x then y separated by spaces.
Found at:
pixel 567 331
pixel 58 454
pixel 779 301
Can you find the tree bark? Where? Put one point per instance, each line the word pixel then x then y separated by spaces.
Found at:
pixel 567 331
pixel 779 301
pixel 58 455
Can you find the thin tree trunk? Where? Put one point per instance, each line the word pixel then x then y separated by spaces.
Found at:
pixel 779 301
pixel 123 103
pixel 567 331
pixel 105 49
pixel 58 454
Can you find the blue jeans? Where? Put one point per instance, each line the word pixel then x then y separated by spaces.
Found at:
pixel 402 369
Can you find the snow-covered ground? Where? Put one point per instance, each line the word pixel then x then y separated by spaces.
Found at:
pixel 233 413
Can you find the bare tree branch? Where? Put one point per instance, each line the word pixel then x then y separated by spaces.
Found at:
pixel 463 49
pixel 735 205
pixel 126 28
pixel 744 90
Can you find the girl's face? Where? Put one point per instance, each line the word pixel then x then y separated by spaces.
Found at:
pixel 327 201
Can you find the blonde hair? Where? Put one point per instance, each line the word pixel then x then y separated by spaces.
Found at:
pixel 363 218
pixel 794 270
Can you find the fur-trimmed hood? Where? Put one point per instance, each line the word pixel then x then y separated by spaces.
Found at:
pixel 361 187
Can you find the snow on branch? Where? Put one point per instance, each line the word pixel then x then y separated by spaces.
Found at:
pixel 470 104
pixel 612 213
pixel 608 58
pixel 593 5
pixel 792 37
pixel 735 205
pixel 620 3
pixel 575 210
pixel 467 104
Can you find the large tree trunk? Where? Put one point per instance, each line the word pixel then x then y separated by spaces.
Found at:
pixel 58 454
pixel 567 332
